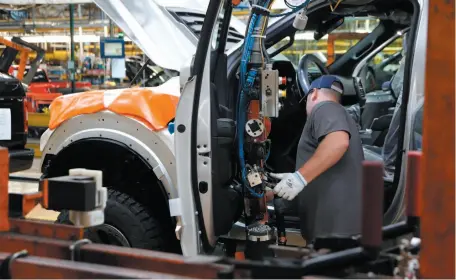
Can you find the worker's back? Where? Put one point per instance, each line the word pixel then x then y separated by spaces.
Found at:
pixel 330 204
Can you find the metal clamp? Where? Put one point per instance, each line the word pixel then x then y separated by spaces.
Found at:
pixel 5 267
pixel 75 248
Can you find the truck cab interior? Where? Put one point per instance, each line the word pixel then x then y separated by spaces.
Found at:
pixel 394 19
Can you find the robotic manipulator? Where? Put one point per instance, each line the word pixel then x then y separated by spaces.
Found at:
pixel 260 93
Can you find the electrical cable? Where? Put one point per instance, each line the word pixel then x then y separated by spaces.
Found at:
pixel 246 83
pixel 291 6
pixel 293 10
pixel 262 34
pixel 335 7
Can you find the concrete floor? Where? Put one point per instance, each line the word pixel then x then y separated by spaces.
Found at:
pixel 25 187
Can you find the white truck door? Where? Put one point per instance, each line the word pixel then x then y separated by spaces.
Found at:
pixel 193 145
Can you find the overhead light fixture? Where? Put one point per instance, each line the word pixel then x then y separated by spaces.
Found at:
pixel 62 38
pixel 59 39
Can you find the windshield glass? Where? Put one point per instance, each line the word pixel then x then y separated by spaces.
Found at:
pixel 330 47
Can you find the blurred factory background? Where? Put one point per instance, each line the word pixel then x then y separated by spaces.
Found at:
pixel 49 27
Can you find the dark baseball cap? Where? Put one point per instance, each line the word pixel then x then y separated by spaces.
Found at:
pixel 329 82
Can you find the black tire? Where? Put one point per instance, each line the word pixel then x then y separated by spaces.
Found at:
pixel 127 223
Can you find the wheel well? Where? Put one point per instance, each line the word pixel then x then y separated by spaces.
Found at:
pixel 123 170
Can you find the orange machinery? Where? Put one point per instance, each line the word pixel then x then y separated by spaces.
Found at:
pixel 35 100
pixel 438 170
pixel 33 249
pixel 59 251
pixel 331 49
pixel 24 54
pixel 39 102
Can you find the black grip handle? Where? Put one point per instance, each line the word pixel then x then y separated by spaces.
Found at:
pixel 21 42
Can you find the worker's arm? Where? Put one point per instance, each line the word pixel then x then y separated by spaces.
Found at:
pixel 331 129
pixel 329 152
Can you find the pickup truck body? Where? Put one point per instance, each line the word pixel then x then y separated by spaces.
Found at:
pixel 42 84
pixel 13 123
pixel 13 101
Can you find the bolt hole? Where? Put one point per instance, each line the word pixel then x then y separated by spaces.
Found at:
pixel 147 158
pixel 205 146
pixel 198 146
pixel 156 143
pixel 137 129
pixel 205 163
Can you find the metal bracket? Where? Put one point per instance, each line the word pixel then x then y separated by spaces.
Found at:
pixel 5 267
pixel 75 248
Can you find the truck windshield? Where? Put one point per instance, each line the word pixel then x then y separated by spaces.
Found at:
pixel 331 46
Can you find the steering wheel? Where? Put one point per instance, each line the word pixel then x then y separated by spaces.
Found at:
pixel 368 78
pixel 303 71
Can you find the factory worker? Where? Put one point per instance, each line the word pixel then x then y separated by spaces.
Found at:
pixel 326 187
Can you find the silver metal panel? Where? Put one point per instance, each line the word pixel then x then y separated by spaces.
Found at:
pixel 204 157
pixel 109 125
pixel 416 85
pixel 190 241
pixel 152 29
pixel 270 93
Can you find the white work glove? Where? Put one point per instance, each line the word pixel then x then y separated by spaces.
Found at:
pixel 290 184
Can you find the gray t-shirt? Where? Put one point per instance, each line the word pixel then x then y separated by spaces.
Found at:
pixel 330 206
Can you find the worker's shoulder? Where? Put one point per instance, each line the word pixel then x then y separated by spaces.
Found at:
pixel 328 108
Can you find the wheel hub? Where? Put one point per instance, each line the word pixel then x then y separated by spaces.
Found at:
pixel 107 234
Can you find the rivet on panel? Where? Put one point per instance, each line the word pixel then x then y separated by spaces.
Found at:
pixel 181 128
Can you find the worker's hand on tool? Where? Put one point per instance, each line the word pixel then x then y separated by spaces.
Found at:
pixel 290 184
